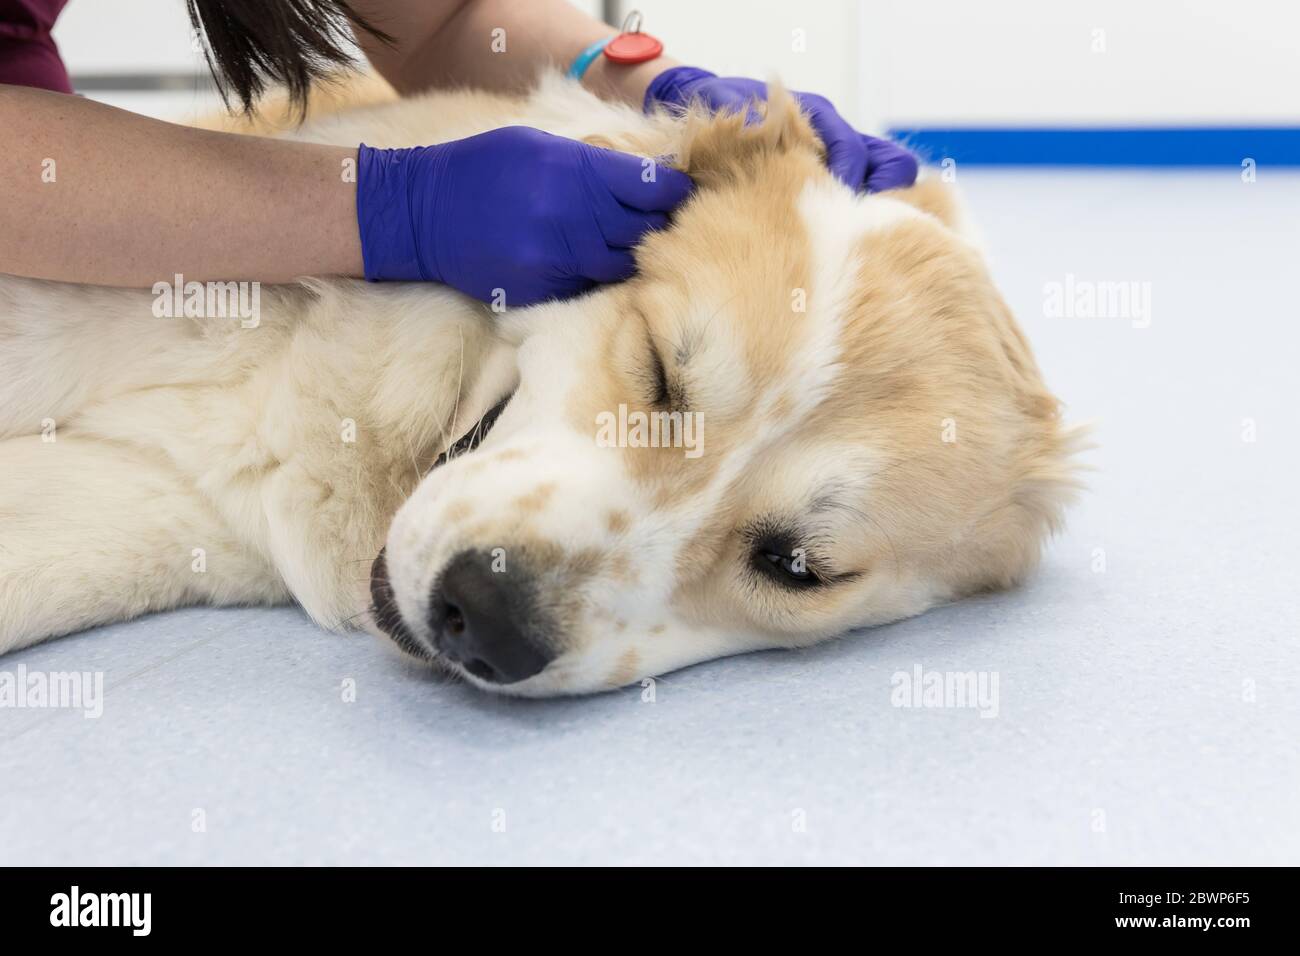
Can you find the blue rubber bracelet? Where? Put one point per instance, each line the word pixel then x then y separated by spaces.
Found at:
pixel 586 57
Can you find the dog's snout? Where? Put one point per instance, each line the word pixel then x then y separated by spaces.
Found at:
pixel 483 618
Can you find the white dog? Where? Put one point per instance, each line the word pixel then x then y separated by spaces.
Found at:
pixel 810 411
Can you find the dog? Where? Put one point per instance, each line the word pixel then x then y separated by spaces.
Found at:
pixel 810 411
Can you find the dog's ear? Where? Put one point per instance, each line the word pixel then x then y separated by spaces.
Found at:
pixel 944 202
pixel 931 195
pixel 714 148
pixel 639 142
pixel 729 146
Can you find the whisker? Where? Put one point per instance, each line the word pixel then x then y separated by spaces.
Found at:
pixel 348 620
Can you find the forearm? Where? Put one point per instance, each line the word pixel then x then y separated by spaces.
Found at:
pixel 93 194
pixel 495 45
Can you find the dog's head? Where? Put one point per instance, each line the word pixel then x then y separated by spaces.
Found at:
pixel 810 411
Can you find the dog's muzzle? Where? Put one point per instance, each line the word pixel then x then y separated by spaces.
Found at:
pixel 384 608
pixel 482 618
pixel 486 620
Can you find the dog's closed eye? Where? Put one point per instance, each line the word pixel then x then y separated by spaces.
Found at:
pixel 792 567
pixel 664 386
pixel 660 394
pixel 775 555
pixel 779 555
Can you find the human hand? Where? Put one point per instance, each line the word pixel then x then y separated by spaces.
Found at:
pixel 514 213
pixel 857 159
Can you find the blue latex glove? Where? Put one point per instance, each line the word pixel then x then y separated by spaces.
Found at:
pixel 516 209
pixel 857 159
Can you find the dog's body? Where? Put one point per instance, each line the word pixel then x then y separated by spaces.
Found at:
pixel 869 408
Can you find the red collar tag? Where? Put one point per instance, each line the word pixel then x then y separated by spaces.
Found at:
pixel 631 45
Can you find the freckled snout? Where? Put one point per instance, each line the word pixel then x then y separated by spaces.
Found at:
pixel 485 619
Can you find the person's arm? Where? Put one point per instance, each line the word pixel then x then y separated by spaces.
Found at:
pixel 100 195
pixel 93 194
pixel 442 43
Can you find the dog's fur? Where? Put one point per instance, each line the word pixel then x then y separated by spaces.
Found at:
pixel 869 406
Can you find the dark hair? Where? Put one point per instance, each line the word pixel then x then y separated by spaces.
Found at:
pixel 251 44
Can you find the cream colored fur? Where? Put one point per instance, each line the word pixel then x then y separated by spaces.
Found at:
pixel 148 463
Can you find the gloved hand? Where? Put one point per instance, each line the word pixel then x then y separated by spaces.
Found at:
pixel 857 159
pixel 517 209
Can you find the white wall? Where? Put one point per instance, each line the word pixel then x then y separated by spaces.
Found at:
pixel 1029 61
pixel 127 36
pixel 940 62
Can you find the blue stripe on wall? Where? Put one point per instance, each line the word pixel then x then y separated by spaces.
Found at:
pixel 1137 146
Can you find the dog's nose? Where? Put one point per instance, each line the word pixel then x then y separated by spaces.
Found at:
pixel 483 619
